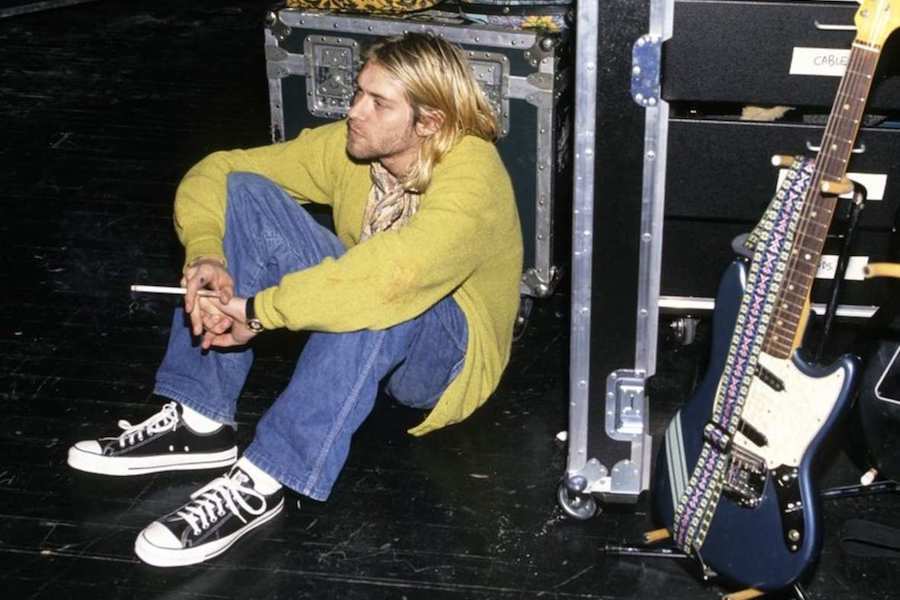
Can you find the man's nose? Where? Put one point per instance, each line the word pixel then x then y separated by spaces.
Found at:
pixel 356 110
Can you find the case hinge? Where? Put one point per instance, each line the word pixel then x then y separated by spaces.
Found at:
pixel 281 63
pixel 646 56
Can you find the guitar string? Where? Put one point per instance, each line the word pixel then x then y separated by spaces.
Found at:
pixel 807 222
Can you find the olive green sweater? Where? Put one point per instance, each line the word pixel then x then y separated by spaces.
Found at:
pixel 465 240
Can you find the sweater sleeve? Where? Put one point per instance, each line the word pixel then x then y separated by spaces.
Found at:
pixel 305 167
pixel 396 275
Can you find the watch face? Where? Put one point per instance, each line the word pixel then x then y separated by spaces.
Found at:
pixel 255 325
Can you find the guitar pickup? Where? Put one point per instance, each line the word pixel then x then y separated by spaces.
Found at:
pixel 753 434
pixel 769 378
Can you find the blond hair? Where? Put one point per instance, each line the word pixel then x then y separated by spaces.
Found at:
pixel 437 78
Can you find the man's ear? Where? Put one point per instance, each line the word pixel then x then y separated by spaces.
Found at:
pixel 429 122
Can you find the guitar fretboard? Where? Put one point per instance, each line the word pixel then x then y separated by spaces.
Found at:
pixel 815 219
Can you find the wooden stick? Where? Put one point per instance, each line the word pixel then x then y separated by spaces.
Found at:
pixel 882 270
pixel 782 160
pixel 657 535
pixel 837 187
pixel 743 594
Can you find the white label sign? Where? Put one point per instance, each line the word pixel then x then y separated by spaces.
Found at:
pixel 829 62
pixel 875 183
pixel 854 267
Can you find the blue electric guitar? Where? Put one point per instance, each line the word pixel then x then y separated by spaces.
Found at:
pixel 733 480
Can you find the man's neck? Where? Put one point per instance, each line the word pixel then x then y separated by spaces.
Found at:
pixel 399 165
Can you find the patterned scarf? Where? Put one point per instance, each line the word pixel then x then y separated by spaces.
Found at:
pixel 389 206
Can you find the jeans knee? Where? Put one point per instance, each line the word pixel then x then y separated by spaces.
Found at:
pixel 239 182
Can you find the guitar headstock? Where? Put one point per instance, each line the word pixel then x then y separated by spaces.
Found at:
pixel 876 20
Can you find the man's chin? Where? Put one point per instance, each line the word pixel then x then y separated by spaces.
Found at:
pixel 358 153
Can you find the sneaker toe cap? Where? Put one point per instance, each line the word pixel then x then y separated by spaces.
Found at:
pixel 158 535
pixel 88 447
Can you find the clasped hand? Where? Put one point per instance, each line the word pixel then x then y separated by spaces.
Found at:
pixel 218 320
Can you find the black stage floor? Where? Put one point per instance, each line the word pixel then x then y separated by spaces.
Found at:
pixel 103 107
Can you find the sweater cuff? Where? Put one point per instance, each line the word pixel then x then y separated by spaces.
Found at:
pixel 203 248
pixel 264 305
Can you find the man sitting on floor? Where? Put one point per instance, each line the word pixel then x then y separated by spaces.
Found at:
pixel 419 288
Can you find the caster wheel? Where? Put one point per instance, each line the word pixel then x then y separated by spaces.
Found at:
pixel 526 303
pixel 577 505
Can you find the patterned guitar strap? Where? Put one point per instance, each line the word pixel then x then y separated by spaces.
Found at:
pixel 771 242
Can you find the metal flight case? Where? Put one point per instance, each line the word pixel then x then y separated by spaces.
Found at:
pixel 313 58
pixel 721 86
pixel 609 442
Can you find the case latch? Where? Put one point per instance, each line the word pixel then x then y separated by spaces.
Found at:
pixel 332 63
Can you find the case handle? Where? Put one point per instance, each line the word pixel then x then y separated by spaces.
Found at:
pixel 813 148
pixel 830 27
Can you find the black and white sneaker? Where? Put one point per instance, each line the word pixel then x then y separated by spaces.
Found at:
pixel 217 515
pixel 163 442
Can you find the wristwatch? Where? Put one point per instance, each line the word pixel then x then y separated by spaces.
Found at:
pixel 252 321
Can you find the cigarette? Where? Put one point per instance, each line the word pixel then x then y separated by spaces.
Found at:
pixel 163 289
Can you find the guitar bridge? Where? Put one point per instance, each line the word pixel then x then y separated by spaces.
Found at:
pixel 745 478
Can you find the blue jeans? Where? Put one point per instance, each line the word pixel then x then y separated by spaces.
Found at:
pixel 304 438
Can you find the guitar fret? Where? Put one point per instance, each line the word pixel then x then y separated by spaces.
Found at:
pixel 784 327
pixel 788 307
pixel 817 220
pixel 818 240
pixel 800 278
pixel 838 140
pixel 778 348
pixel 782 313
pixel 783 341
pixel 789 290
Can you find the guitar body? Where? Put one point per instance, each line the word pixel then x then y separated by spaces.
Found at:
pixel 767 542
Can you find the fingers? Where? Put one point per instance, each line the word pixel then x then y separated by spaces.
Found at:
pixel 213 318
pixel 196 320
pixel 209 274
pixel 226 291
pixel 211 315
pixel 223 340
pixel 216 324
pixel 194 281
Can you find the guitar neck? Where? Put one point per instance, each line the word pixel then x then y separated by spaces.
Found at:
pixel 815 217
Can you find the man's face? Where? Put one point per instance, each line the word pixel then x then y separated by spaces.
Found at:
pixel 380 122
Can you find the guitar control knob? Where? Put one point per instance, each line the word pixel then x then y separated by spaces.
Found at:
pixel 794 535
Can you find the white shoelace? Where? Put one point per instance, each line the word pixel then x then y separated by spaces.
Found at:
pixel 209 503
pixel 164 420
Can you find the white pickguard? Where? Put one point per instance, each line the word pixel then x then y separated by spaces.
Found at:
pixel 791 418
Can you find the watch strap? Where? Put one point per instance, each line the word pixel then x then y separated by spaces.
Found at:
pixel 252 320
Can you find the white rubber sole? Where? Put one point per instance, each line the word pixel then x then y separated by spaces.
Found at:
pixel 169 557
pixel 123 466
